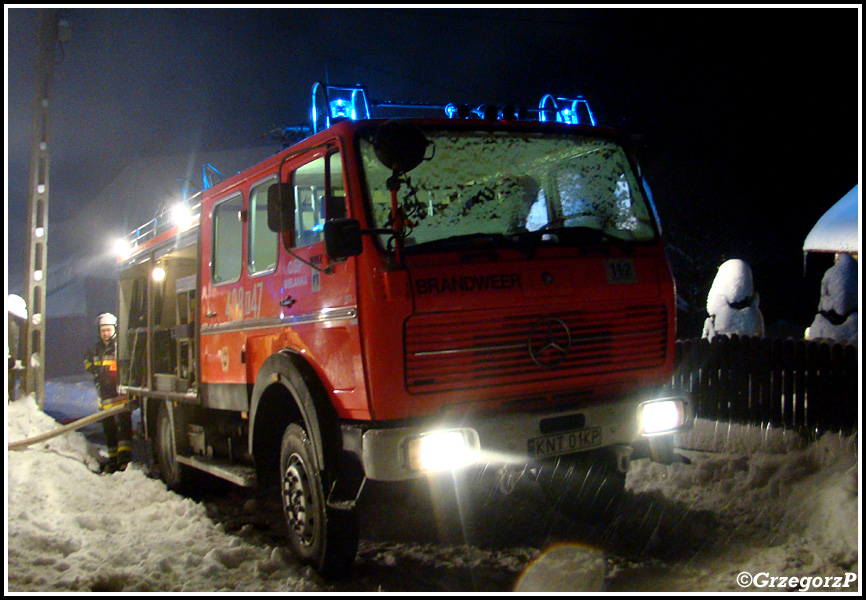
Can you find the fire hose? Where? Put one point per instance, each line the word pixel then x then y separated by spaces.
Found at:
pixel 117 406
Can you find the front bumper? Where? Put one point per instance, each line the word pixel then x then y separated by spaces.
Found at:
pixel 391 454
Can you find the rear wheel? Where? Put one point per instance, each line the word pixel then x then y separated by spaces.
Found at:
pixel 323 537
pixel 170 471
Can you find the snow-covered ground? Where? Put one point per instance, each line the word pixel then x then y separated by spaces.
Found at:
pixel 752 506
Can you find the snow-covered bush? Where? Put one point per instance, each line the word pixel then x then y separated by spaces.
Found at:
pixel 837 309
pixel 733 303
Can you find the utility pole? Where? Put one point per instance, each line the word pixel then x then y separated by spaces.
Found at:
pixel 37 220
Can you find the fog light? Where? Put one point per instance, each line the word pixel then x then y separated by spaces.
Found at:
pixel 661 416
pixel 443 450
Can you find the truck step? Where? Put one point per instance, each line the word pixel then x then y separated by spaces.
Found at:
pixel 241 475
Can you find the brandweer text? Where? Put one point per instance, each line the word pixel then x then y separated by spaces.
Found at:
pixel 469 283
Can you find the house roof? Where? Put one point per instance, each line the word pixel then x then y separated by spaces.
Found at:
pixel 838 230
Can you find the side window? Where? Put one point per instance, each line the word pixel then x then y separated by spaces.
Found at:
pixel 227 240
pixel 309 183
pixel 262 250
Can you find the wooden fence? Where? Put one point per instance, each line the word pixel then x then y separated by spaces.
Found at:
pixel 794 384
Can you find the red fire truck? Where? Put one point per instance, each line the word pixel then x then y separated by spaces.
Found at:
pixel 393 297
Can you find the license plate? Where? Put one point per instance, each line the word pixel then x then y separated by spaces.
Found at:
pixel 564 443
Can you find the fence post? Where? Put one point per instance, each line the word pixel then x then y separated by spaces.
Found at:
pixel 819 398
pixel 714 379
pixel 777 383
pixel 850 396
pixel 739 378
pixel 762 366
pixel 787 384
pixel 800 366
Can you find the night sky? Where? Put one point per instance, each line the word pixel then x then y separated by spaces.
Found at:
pixel 746 121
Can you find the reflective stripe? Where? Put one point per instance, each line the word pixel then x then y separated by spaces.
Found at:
pixel 111 404
pixel 105 362
pixel 111 363
pixel 323 316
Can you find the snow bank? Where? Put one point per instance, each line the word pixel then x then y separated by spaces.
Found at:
pixel 70 529
pixel 792 508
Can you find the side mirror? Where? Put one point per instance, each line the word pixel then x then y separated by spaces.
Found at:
pixel 342 238
pixel 281 208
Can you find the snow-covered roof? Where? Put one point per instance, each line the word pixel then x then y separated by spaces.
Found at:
pixel 837 230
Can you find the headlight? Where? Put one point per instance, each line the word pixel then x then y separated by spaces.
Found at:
pixel 661 416
pixel 443 450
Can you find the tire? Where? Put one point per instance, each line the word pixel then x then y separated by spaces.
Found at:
pixel 325 538
pixel 171 472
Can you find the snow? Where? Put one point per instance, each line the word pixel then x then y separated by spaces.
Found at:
pixel 837 230
pixel 837 309
pixel 15 305
pixel 733 304
pixel 752 500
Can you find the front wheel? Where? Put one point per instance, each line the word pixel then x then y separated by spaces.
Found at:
pixel 323 537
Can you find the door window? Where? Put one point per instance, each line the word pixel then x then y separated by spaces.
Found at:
pixel 262 251
pixel 316 184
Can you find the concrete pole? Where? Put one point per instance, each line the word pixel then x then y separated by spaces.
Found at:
pixel 37 222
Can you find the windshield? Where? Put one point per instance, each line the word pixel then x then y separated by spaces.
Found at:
pixel 553 189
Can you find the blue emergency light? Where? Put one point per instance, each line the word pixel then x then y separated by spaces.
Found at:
pixel 333 103
pixel 572 111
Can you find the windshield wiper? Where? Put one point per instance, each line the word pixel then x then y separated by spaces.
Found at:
pixel 469 241
pixel 576 235
pixel 526 242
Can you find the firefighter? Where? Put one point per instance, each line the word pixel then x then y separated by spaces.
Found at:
pixel 101 362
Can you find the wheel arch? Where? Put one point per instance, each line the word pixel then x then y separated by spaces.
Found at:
pixel 288 390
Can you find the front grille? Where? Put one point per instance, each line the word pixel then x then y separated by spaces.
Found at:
pixel 463 350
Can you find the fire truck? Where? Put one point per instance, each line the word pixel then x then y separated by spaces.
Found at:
pixel 482 287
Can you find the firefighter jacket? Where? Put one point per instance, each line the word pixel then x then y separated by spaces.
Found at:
pixel 101 362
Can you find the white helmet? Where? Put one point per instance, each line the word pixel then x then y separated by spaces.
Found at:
pixel 106 319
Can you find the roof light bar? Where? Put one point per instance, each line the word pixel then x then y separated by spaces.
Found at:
pixel 333 103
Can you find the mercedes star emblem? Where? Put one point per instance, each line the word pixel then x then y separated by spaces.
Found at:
pixel 549 342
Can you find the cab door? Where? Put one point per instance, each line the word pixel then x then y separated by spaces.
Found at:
pixel 223 282
pixel 319 305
